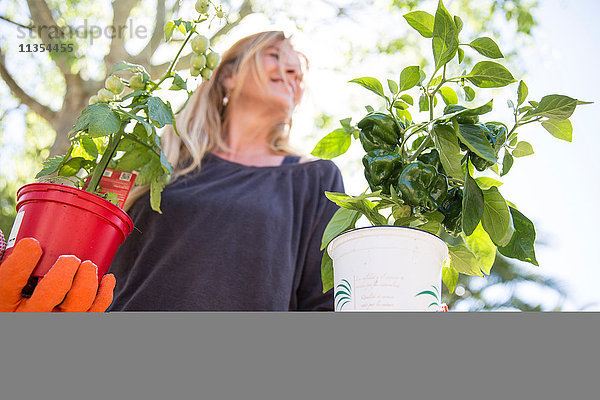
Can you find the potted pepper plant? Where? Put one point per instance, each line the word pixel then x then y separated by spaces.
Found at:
pixel 75 207
pixel 433 199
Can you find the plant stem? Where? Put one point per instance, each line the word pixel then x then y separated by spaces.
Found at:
pixel 422 147
pixel 517 124
pixel 172 65
pixel 103 164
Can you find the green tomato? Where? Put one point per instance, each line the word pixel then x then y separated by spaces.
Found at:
pixel 114 84
pixel 212 60
pixel 202 6
pixel 94 99
pixel 194 71
pixel 200 44
pixel 206 73
pixel 137 82
pixel 198 61
pixel 104 96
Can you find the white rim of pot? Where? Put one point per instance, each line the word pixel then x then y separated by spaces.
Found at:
pixel 384 230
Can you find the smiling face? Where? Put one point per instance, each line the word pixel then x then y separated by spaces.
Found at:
pixel 276 82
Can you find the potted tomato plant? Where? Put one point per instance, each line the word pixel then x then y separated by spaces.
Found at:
pixel 433 202
pixel 75 207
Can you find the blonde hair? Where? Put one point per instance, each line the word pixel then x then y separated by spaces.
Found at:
pixel 200 124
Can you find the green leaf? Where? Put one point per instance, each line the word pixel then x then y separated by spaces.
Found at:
pixel 407 98
pixel 421 21
pixel 159 112
pixel 445 37
pixel 485 182
pixel 90 147
pixel 156 187
pixel 482 247
pixel 51 165
pixel 370 83
pixel 360 204
pixel 327 272
pixel 450 278
pixel 112 197
pixel 555 106
pixel 121 65
pixel 169 27
pixel 475 138
pixel 134 159
pixel 496 219
pixel 458 22
pixel 521 245
pixel 523 149
pixel 489 74
pixel 102 120
pixel 81 123
pixel 71 167
pixel 148 172
pixel 469 93
pixel 140 131
pixel 559 128
pixel 178 83
pixel 446 142
pixel 463 260
pixel 433 223
pixel 346 124
pixel 522 93
pixel 393 86
pixel 472 205
pixel 461 55
pixel 507 163
pixel 400 105
pixel 483 109
pixel 333 144
pixel 423 103
pixel 343 220
pixel 409 77
pixel 486 47
pixel 448 95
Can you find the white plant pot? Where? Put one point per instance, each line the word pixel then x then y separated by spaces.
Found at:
pixel 387 268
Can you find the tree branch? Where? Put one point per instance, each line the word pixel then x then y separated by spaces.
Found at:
pixel 245 9
pixel 42 17
pixel 15 23
pixel 157 35
pixel 44 111
pixel 117 52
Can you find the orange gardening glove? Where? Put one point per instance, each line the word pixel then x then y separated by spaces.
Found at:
pixel 69 286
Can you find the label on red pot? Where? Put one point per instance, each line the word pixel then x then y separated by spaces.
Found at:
pixel 117 182
pixel 14 232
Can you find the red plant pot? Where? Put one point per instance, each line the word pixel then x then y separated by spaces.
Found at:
pixel 66 220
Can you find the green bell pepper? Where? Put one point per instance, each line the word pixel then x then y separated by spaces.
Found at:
pixel 496 134
pixel 452 210
pixel 378 131
pixel 432 158
pixel 421 185
pixel 382 168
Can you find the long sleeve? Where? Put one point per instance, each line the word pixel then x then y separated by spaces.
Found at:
pixel 310 291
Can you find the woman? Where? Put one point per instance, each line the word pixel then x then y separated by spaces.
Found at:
pixel 242 220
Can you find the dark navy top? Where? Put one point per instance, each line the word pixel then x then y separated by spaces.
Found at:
pixel 230 238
